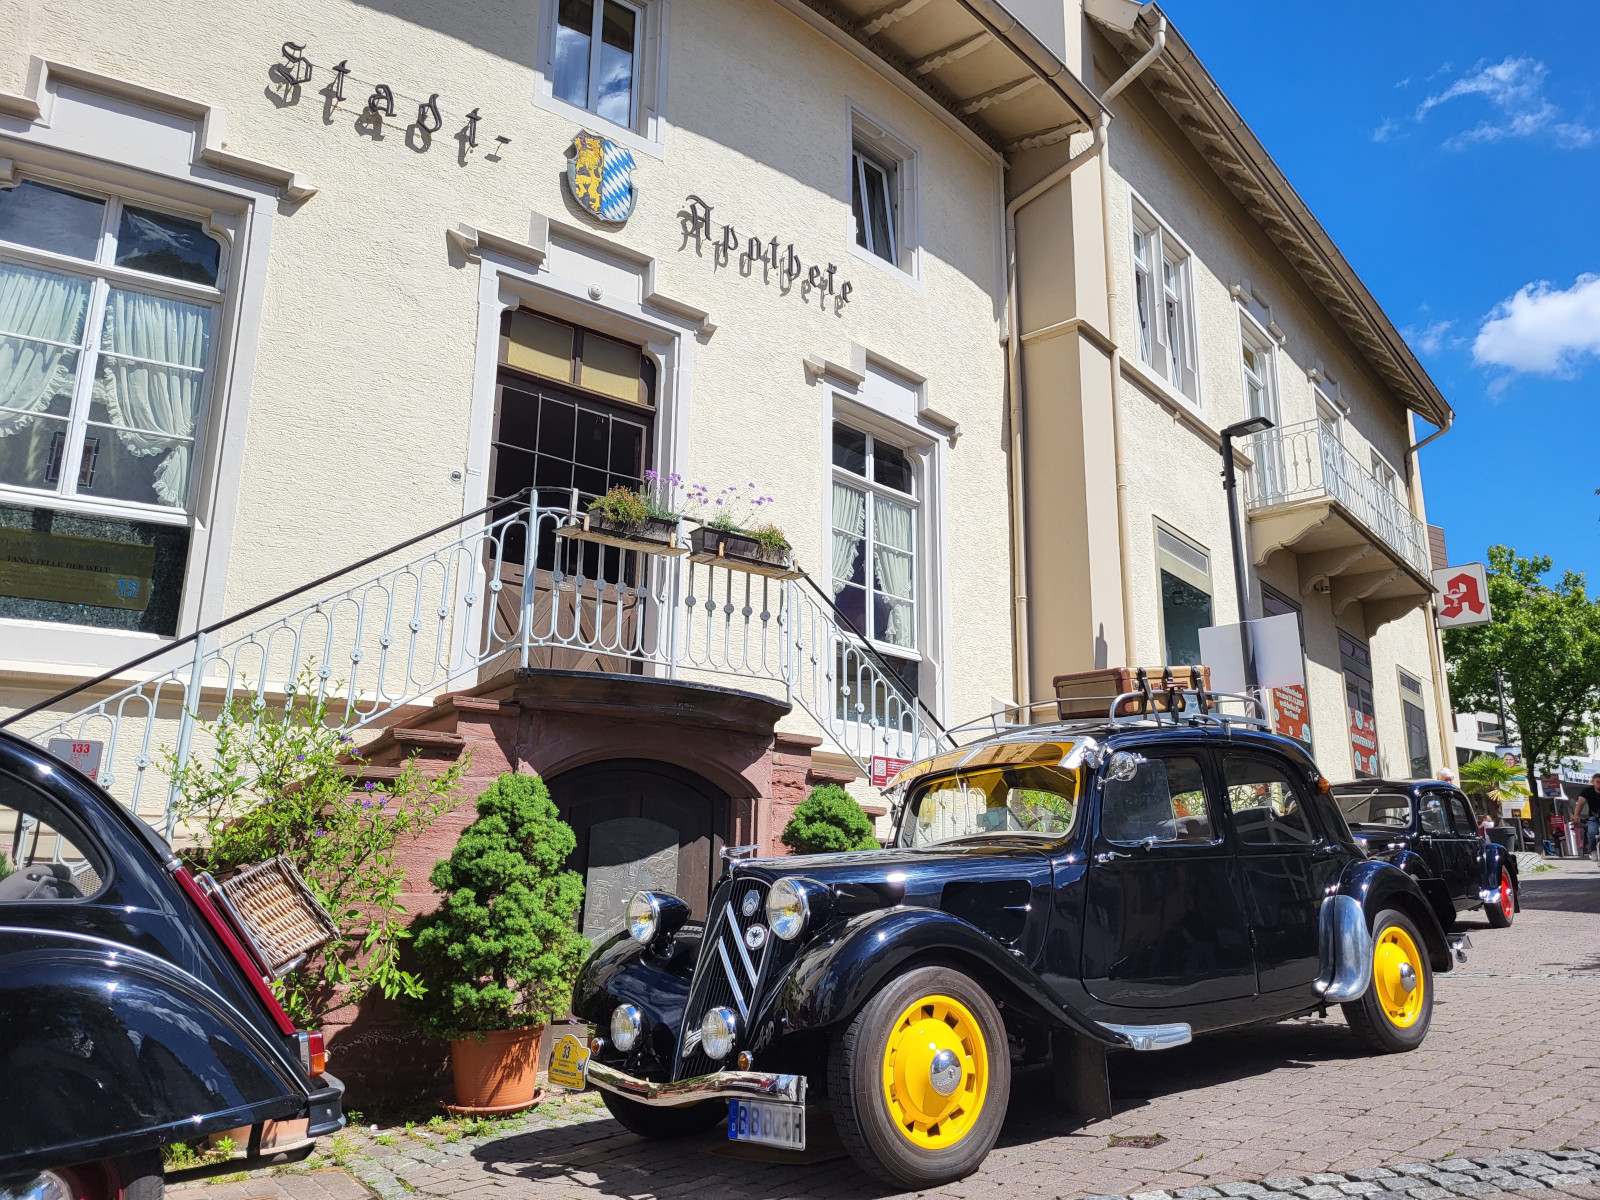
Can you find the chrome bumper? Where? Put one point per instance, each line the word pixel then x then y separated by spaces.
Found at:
pixel 719 1085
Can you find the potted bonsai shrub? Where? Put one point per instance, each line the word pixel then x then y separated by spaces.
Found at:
pixel 732 535
pixel 498 956
pixel 633 518
pixel 827 821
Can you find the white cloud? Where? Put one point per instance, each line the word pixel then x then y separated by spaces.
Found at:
pixel 1542 329
pixel 1386 130
pixel 1430 339
pixel 1514 87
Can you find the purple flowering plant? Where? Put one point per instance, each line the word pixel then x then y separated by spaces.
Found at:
pixel 737 509
pixel 286 779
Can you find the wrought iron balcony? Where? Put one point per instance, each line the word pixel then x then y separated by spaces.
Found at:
pixel 1308 494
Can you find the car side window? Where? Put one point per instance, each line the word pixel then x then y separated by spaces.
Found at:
pixel 1461 815
pixel 1164 800
pixel 1267 809
pixel 1430 808
pixel 42 857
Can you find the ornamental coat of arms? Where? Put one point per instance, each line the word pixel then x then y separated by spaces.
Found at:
pixel 599 175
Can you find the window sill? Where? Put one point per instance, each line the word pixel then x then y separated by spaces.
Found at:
pixel 124 511
pixel 620 134
pixel 912 279
pixel 1179 405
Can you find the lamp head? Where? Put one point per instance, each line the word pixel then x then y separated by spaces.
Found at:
pixel 1246 427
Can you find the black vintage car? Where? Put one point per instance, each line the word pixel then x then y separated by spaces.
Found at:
pixel 1427 830
pixel 1054 893
pixel 134 1012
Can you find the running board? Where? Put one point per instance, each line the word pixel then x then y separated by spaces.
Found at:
pixel 1153 1037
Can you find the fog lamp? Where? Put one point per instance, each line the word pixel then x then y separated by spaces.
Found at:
pixel 717 1030
pixel 626 1026
pixel 644 917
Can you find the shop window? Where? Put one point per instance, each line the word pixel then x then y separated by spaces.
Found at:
pixel 1416 723
pixel 1184 568
pixel 875 556
pixel 1355 656
pixel 108 310
pixel 1163 293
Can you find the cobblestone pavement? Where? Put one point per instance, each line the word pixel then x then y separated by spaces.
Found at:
pixel 1502 1098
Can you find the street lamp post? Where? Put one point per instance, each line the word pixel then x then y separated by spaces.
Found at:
pixel 1241 582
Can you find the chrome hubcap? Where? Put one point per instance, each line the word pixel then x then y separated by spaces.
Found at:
pixel 944 1072
pixel 1408 977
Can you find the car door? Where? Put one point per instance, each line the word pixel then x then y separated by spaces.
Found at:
pixel 1466 847
pixel 1164 919
pixel 1286 863
pixel 1436 841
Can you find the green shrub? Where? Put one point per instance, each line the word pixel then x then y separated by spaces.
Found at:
pixel 502 950
pixel 829 820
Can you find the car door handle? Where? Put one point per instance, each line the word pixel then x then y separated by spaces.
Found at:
pixel 1106 856
pixel 1325 849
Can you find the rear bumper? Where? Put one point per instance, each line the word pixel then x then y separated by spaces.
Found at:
pixel 324 1108
pixel 719 1085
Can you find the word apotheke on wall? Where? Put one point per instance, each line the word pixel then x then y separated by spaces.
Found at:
pixel 818 280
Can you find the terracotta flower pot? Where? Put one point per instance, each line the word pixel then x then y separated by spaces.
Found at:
pixel 499 1073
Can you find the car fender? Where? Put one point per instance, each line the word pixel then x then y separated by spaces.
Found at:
pixel 126 1052
pixel 655 979
pixel 1490 861
pixel 1434 889
pixel 835 975
pixel 1378 885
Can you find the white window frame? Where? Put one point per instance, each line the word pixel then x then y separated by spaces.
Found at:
pixel 645 129
pixel 1150 286
pixel 1330 412
pixel 1388 478
pixel 1180 568
pixel 900 161
pixel 103 275
pixel 874 491
pixel 1255 336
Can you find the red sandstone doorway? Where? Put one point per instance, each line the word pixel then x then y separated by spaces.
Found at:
pixel 641 824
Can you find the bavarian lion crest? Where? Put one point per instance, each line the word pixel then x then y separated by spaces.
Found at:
pixel 599 175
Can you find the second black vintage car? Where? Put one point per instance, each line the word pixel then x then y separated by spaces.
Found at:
pixel 1054 893
pixel 1427 830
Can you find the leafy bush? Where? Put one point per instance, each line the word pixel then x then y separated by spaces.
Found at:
pixel 502 949
pixel 275 784
pixel 633 507
pixel 828 820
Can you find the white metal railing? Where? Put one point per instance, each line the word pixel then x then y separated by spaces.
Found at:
pixel 459 609
pixel 1306 461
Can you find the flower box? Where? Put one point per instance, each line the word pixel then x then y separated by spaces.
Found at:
pixel 657 535
pixel 739 552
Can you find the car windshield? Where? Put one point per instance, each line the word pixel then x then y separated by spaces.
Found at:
pixel 1030 800
pixel 1373 808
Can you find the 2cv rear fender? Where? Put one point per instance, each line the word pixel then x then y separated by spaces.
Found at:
pixel 125 1052
pixel 835 975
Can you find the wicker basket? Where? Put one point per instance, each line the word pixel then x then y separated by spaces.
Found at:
pixel 282 916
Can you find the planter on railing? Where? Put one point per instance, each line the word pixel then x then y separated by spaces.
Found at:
pixel 739 552
pixel 656 535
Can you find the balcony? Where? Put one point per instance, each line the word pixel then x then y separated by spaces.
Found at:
pixel 1352 536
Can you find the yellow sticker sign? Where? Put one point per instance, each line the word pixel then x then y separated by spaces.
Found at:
pixel 569 1063
pixel 38 565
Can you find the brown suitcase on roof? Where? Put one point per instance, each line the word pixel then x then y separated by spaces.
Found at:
pixel 1090 693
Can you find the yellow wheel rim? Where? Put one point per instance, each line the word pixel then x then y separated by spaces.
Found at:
pixel 1397 974
pixel 932 1105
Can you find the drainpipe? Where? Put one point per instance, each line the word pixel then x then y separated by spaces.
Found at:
pixel 1019 539
pixel 1441 686
pixel 1119 455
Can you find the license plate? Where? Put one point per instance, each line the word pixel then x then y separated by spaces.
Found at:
pixel 569 1064
pixel 767 1124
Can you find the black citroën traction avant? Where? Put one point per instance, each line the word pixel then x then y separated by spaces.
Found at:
pixel 1054 892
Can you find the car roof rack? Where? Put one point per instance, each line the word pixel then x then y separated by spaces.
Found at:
pixel 1149 707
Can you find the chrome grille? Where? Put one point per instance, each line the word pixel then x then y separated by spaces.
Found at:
pixel 728 974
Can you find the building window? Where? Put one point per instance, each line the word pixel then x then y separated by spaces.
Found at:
pixel 1291 709
pixel 1356 658
pixel 1386 476
pixel 872 202
pixel 875 558
pixel 596 57
pixel 1163 292
pixel 1259 371
pixel 1416 723
pixel 1491 731
pixel 1185 572
pixel 884 220
pixel 1329 417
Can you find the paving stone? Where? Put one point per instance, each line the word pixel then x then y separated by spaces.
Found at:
pixel 1370 1173
pixel 1452 1180
pixel 1327 1177
pixel 1284 1183
pixel 1197 1193
pixel 1241 1189
pixel 1155 1195
pixel 1361 1188
pixel 1519 1183
pixel 1321 1191
pixel 1411 1168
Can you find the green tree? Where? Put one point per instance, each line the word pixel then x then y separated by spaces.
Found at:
pixel 502 950
pixel 1546 640
pixel 828 820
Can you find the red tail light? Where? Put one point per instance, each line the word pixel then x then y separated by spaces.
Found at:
pixel 313 1056
pixel 236 948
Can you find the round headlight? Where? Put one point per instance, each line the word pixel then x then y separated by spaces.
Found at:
pixel 644 917
pixel 626 1026
pixel 717 1030
pixel 46 1185
pixel 787 909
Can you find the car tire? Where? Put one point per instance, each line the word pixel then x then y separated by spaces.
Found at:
pixel 901 1113
pixel 660 1124
pixel 1501 915
pixel 1392 1017
pixel 140 1176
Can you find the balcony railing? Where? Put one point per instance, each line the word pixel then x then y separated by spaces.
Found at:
pixel 1297 463
pixel 468 602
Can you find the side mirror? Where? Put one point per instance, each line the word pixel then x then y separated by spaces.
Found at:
pixel 1124 766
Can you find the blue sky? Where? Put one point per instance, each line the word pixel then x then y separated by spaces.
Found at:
pixel 1453 152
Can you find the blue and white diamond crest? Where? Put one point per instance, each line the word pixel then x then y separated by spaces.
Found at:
pixel 600 176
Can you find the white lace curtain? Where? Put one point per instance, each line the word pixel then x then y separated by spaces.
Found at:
pixel 849 528
pixel 37 304
pixel 150 381
pixel 892 569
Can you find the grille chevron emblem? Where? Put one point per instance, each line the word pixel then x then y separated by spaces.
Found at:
pixel 752 901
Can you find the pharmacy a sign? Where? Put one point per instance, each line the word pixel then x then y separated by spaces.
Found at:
pixel 1463 596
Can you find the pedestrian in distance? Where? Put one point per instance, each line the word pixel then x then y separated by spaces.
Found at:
pixel 1587 814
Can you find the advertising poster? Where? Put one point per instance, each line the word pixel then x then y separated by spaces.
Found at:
pixel 1364 742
